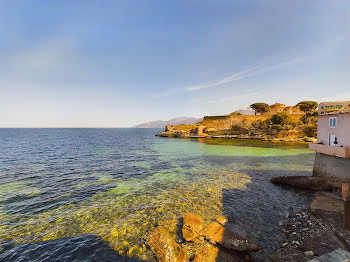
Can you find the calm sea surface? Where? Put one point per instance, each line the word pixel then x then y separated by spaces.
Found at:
pixel 94 194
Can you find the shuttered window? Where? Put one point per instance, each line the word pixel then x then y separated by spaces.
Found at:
pixel 332 122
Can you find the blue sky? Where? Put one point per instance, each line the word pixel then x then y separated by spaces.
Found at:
pixel 119 63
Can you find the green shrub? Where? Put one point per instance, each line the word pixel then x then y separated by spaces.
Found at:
pixel 281 118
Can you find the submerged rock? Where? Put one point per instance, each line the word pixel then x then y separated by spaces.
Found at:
pixel 222 220
pixel 164 247
pixel 310 182
pixel 216 233
pixel 192 227
pixel 214 254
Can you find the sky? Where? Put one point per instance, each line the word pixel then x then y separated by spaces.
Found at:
pixel 118 63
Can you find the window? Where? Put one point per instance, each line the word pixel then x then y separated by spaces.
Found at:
pixel 326 107
pixel 331 107
pixel 322 107
pixel 332 122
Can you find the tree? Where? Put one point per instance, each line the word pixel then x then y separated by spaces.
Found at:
pixel 307 106
pixel 281 118
pixel 260 108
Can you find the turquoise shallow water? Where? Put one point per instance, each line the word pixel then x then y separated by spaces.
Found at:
pixel 92 194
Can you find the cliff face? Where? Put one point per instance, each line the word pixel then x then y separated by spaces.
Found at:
pixel 293 127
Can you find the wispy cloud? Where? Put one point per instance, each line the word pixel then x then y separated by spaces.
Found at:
pixel 245 73
pixel 235 76
pixel 249 72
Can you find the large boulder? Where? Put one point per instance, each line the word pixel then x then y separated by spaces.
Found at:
pixel 192 227
pixel 164 247
pixel 216 233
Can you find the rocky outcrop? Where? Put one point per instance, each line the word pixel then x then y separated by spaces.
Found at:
pixel 216 233
pixel 192 227
pixel 164 247
pixel 214 243
pixel 310 182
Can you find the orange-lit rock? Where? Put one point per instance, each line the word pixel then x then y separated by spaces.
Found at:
pixel 164 247
pixel 192 226
pixel 216 255
pixel 216 233
pixel 222 220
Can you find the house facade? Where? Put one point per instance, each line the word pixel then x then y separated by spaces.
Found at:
pixel 333 142
pixel 325 108
pixel 333 135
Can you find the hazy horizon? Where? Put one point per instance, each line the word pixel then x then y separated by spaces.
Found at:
pixel 123 63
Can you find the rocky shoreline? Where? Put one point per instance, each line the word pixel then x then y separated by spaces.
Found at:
pixel 319 229
pixel 242 136
pixel 196 242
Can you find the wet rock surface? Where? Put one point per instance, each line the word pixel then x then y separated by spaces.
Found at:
pixel 314 232
pixel 214 243
pixel 164 247
pixel 216 233
pixel 214 254
pixel 310 182
pixel 192 227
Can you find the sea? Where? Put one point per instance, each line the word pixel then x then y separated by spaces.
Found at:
pixel 95 194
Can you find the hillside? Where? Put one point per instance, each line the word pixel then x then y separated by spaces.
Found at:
pixel 174 121
pixel 279 123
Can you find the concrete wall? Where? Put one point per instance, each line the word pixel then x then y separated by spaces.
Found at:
pixel 342 131
pixel 331 166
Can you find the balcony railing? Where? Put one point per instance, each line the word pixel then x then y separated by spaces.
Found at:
pixel 338 151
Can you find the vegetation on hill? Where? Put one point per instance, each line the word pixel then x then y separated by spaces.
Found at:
pixel 291 125
pixel 307 106
pixel 260 108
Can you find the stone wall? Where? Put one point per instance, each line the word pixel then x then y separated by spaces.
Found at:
pixel 226 122
pixel 331 166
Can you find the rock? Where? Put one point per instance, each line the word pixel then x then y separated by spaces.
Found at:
pixel 216 233
pixel 222 220
pixel 285 244
pixel 310 139
pixel 164 247
pixel 216 255
pixel 288 254
pixel 321 243
pixel 192 227
pixel 310 182
pixel 309 253
pixel 327 202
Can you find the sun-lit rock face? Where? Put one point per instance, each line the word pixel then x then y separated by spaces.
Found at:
pixel 164 247
pixel 216 233
pixel 222 220
pixel 192 227
pixel 214 254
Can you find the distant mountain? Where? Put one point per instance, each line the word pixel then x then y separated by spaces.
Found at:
pixel 174 121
